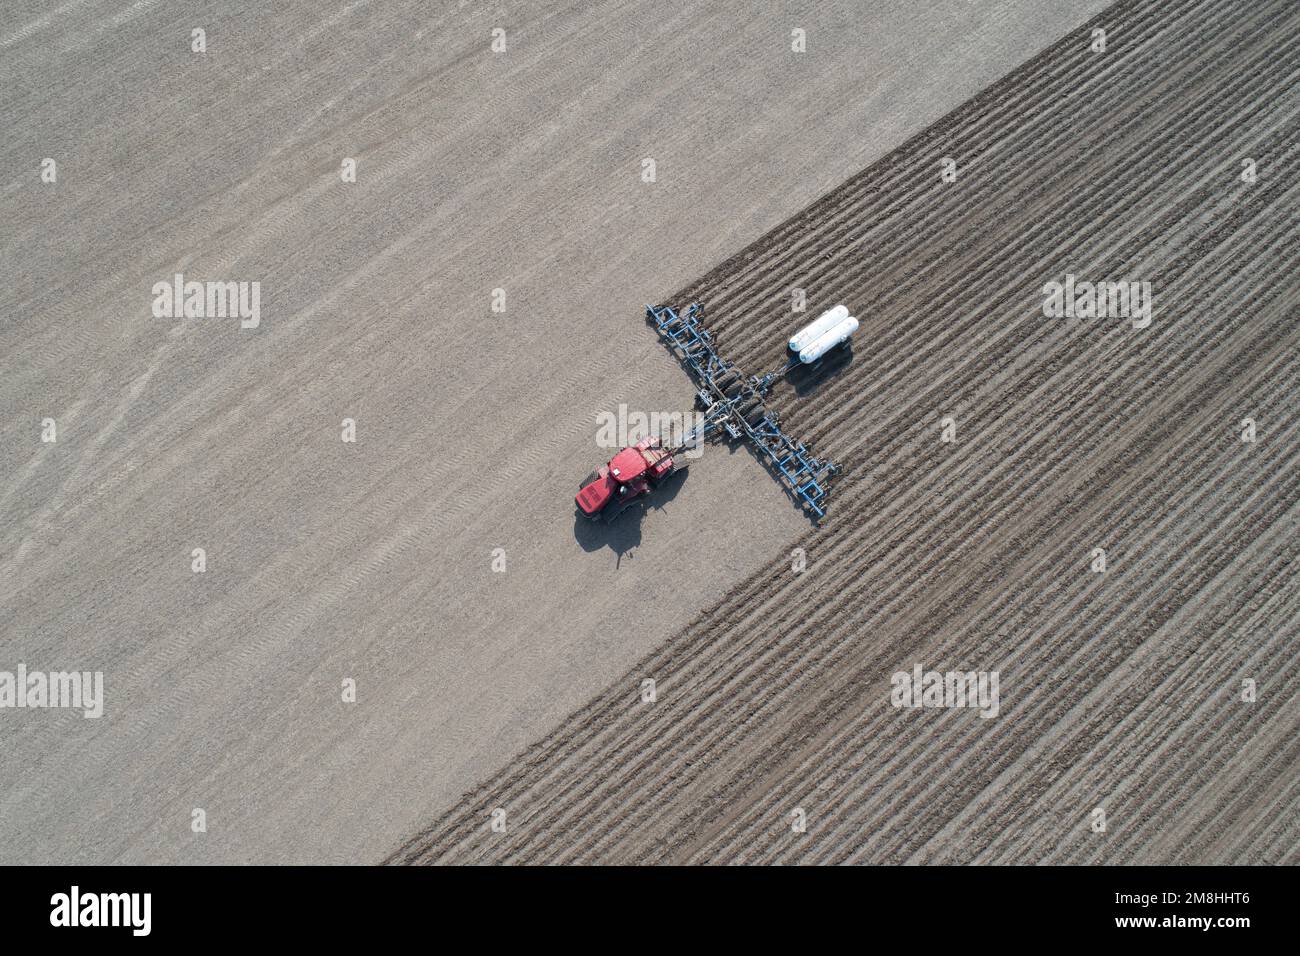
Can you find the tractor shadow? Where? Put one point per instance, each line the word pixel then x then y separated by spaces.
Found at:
pixel 807 379
pixel 623 534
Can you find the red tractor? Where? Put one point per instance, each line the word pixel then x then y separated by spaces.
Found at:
pixel 633 472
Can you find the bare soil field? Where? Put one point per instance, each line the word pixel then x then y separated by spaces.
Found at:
pixel 1126 731
pixel 373 561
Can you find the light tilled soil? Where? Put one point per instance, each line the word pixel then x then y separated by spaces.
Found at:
pixel 1120 691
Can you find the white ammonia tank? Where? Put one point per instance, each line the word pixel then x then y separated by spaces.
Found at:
pixel 828 340
pixel 823 323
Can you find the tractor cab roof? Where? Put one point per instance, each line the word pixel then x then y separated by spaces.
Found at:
pixel 627 465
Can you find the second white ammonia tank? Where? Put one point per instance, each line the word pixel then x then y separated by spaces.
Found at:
pixel 823 323
pixel 828 340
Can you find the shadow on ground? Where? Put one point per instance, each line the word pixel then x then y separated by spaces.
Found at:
pixel 807 379
pixel 624 533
